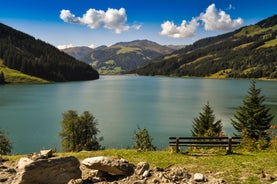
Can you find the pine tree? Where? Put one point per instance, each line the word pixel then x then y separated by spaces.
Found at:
pixel 253 118
pixel 205 125
pixel 79 132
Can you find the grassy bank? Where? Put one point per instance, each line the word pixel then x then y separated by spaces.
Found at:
pixel 242 167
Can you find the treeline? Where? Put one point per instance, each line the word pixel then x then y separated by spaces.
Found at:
pixel 241 56
pixel 24 53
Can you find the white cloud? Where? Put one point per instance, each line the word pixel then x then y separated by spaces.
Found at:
pixel 111 19
pixel 214 19
pixel 64 46
pixel 91 46
pixel 182 31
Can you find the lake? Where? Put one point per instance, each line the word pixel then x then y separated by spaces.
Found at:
pixel 31 114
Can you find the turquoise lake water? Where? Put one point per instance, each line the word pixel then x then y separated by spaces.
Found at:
pixel 31 114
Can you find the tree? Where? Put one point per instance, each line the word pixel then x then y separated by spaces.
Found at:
pixel 2 78
pixel 205 125
pixel 142 140
pixel 253 118
pixel 5 144
pixel 79 132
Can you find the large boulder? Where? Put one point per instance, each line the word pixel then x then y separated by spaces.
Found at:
pixel 54 170
pixel 109 165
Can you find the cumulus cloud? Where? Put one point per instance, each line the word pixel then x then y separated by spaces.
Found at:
pixel 214 19
pixel 61 47
pixel 184 30
pixel 111 19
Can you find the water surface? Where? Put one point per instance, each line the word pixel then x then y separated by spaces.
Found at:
pixel 165 106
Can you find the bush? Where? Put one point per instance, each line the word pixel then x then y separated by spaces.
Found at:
pixel 5 144
pixel 142 140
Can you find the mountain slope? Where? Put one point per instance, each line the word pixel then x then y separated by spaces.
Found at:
pixel 249 52
pixel 80 53
pixel 28 55
pixel 123 56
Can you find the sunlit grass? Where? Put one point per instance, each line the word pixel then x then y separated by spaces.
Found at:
pixel 14 76
pixel 241 167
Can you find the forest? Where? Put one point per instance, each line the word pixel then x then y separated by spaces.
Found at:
pixel 34 57
pixel 249 52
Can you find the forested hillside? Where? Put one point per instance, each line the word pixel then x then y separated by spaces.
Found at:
pixel 34 57
pixel 121 57
pixel 249 52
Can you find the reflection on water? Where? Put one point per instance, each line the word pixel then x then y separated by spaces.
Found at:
pixel 165 106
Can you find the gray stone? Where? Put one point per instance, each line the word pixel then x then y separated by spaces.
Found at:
pixel 198 177
pixel 141 168
pixel 46 153
pixel 146 174
pixel 54 170
pixel 109 165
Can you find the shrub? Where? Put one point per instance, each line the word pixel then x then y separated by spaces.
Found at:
pixel 142 140
pixel 5 143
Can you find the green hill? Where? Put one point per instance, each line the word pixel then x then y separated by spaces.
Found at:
pixel 249 52
pixel 121 57
pixel 27 55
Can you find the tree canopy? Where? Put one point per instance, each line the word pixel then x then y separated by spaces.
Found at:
pixel 79 132
pixel 253 118
pixel 5 143
pixel 205 125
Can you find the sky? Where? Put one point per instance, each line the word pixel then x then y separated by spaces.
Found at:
pixel 68 23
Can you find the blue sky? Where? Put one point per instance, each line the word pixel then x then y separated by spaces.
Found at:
pixel 105 22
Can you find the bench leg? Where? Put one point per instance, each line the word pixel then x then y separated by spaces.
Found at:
pixel 229 148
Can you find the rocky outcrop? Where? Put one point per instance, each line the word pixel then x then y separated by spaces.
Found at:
pixel 54 170
pixel 109 165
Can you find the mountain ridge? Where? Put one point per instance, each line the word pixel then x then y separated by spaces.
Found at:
pixel 123 56
pixel 248 52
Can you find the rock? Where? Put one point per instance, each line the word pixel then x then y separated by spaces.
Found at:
pixel 54 170
pixel 198 177
pixel 141 167
pixel 46 153
pixel 146 174
pixel 109 165
pixel 23 162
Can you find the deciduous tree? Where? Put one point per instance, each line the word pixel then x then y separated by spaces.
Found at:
pixel 79 132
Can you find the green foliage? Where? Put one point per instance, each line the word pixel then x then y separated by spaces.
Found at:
pixel 205 125
pixel 233 51
pixel 5 143
pixel 79 132
pixel 142 140
pixel 34 57
pixel 253 119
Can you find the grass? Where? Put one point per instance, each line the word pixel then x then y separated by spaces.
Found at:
pixel 242 167
pixel 270 43
pixel 124 50
pixel 14 76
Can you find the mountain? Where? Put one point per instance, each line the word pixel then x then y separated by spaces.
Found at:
pixel 123 56
pixel 249 52
pixel 80 53
pixel 26 55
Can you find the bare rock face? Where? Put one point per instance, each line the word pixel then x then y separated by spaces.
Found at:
pixel 109 165
pixel 44 171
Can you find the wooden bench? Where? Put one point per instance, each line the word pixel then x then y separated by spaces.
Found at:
pixel 228 142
